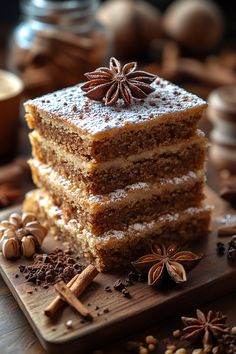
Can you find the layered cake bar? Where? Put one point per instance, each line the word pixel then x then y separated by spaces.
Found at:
pixel 103 177
pixel 115 249
pixel 135 203
pixel 105 148
pixel 113 177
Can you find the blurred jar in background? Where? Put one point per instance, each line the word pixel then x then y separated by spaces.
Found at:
pixel 56 43
pixel 222 113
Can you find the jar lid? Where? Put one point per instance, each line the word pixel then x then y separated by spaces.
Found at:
pixel 224 99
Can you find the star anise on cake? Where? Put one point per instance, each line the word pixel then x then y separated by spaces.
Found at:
pixel 117 82
pixel 205 327
pixel 166 260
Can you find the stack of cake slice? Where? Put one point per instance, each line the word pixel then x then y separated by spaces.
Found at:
pixel 112 178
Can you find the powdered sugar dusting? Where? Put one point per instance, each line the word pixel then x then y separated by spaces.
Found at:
pixel 136 230
pixel 71 106
pixel 120 195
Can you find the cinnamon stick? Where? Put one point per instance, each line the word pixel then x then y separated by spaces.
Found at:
pixel 71 299
pixel 229 230
pixel 77 285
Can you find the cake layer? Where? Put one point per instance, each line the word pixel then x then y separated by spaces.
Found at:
pixel 95 132
pixel 104 177
pixel 117 248
pixel 136 203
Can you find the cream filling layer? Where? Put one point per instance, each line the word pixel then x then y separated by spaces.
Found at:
pixel 45 176
pixel 137 230
pixel 122 163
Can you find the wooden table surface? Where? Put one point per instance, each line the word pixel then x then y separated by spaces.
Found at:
pixel 16 336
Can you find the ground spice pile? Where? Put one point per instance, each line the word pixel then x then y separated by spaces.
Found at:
pixel 48 269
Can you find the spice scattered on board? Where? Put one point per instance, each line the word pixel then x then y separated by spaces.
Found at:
pixel 50 268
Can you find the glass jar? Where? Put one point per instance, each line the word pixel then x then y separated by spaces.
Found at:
pixel 56 43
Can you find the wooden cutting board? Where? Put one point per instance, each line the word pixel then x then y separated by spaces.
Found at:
pixel 213 277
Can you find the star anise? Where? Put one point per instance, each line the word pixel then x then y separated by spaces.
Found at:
pixel 205 328
pixel 8 194
pixel 110 84
pixel 166 260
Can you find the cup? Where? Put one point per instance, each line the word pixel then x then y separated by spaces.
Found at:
pixel 11 88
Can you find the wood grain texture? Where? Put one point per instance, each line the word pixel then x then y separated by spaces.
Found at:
pixel 211 279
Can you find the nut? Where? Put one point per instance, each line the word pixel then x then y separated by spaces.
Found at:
pixel 169 351
pixel 11 248
pixel 15 219
pixel 143 350
pixel 171 347
pixel 177 333
pixel 181 351
pixel 151 340
pixel 28 246
pixel 28 217
pixel 37 230
pixel 151 347
pixel 9 233
pixel 233 330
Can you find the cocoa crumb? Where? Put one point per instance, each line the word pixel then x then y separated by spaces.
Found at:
pixel 220 248
pixel 133 276
pixel 106 310
pixel 50 268
pixel 118 285
pixel 231 253
pixel 128 282
pixel 16 275
pixel 108 289
pixel 125 292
